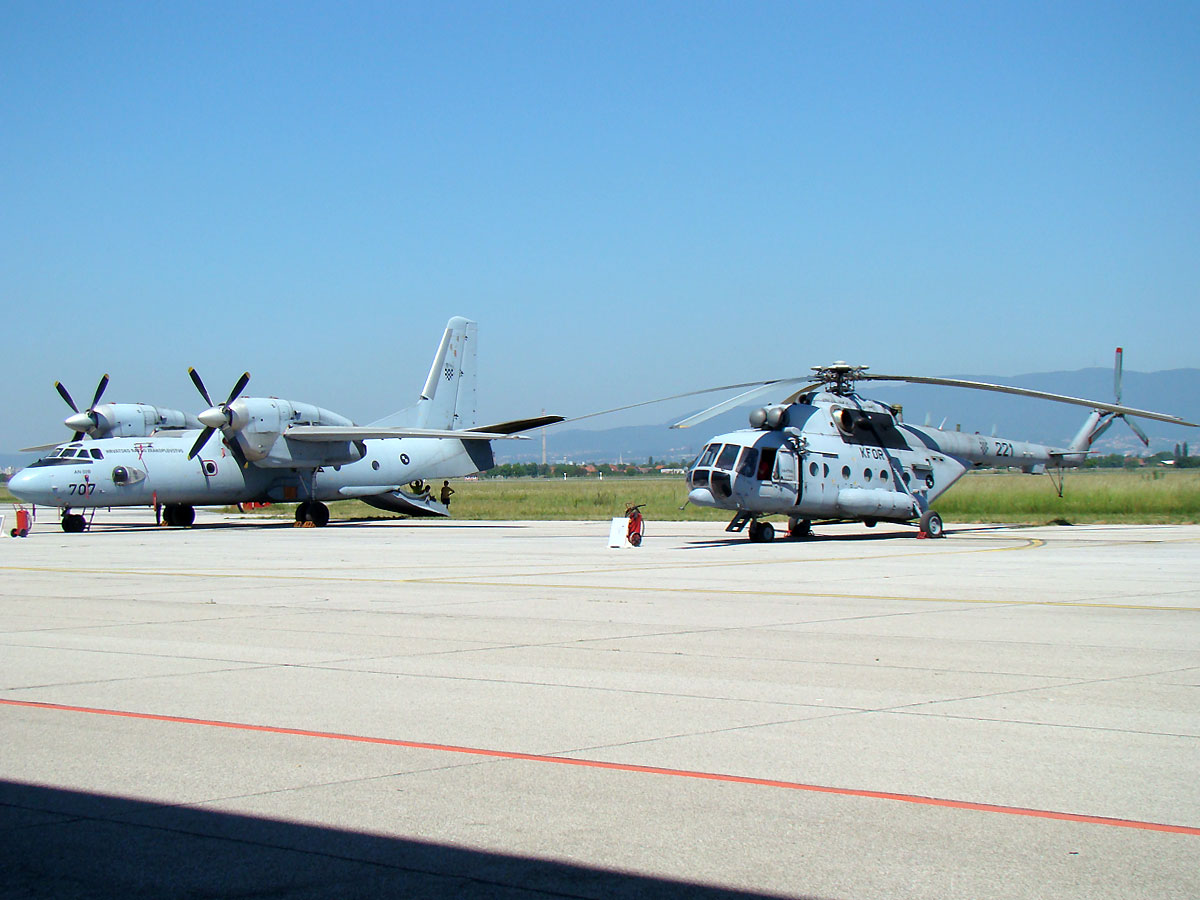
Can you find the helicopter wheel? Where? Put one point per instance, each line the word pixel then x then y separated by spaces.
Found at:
pixel 762 532
pixel 931 524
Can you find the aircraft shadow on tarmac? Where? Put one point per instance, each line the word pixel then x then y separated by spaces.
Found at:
pixel 70 844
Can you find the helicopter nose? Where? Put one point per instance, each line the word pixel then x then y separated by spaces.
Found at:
pixel 701 497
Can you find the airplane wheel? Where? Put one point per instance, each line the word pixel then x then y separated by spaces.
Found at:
pixel 302 512
pixel 318 514
pixel 73 524
pixel 931 524
pixel 799 529
pixel 179 515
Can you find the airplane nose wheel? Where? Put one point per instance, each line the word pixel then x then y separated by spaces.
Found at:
pixel 73 523
pixel 312 514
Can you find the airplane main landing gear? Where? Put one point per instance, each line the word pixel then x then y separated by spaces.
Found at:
pixel 312 514
pixel 799 529
pixel 179 515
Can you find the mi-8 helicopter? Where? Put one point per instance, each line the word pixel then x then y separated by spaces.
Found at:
pixel 265 448
pixel 826 454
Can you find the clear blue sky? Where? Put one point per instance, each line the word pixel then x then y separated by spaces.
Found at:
pixel 631 199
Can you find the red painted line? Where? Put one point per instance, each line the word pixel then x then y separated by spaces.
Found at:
pixel 624 767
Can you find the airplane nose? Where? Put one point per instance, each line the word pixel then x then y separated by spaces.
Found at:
pixel 23 486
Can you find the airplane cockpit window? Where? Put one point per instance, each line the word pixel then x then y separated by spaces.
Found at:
pixel 96 454
pixel 728 456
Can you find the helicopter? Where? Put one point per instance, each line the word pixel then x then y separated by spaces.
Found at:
pixel 826 454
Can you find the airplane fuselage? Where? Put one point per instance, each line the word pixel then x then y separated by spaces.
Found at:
pixel 149 470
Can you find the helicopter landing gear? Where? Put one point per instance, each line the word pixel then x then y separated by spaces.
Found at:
pixel 73 523
pixel 312 514
pixel 799 529
pixel 762 532
pixel 931 525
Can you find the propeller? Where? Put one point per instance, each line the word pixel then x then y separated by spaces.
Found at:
pixel 216 416
pixel 85 422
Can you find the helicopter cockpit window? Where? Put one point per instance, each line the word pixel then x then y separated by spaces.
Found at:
pixel 709 454
pixel 728 456
pixel 748 463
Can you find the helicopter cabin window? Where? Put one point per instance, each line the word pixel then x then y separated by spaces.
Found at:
pixel 867 474
pixel 826 469
pixel 907 478
pixel 766 463
pixel 749 462
pixel 813 468
pixel 709 454
pixel 845 471
pixel 883 475
pixel 728 456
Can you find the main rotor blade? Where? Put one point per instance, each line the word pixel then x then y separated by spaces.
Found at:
pixel 1026 392
pixel 200 442
pixel 1137 430
pixel 200 386
pixel 732 402
pixel 712 390
pixel 237 388
pixel 99 391
pixel 1117 370
pixel 66 395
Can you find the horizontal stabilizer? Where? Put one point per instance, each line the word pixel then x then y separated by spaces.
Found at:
pixel 324 433
pixel 517 425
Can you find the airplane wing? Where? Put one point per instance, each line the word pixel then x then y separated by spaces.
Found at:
pixel 325 433
pixel 517 425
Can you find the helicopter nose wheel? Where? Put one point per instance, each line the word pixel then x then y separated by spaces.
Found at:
pixel 762 532
pixel 931 525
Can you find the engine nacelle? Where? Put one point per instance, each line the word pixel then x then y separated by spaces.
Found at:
pixel 128 420
pixel 258 423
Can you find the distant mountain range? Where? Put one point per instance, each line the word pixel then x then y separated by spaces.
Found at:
pixel 1175 391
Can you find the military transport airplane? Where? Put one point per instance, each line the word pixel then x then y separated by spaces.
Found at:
pixel 268 449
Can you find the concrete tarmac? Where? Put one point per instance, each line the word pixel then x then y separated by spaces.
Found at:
pixel 513 709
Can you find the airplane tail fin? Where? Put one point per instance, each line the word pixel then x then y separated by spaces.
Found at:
pixel 448 399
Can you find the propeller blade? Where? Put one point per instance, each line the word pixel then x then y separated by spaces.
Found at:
pixel 1117 369
pixel 238 388
pixel 1137 429
pixel 99 391
pixel 732 402
pixel 1026 392
pixel 200 386
pixel 200 442
pixel 66 395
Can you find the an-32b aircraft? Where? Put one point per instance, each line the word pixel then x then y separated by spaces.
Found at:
pixel 827 454
pixel 268 449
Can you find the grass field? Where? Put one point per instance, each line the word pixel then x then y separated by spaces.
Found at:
pixel 1141 496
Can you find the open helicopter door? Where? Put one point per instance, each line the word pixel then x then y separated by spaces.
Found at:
pixel 778 477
